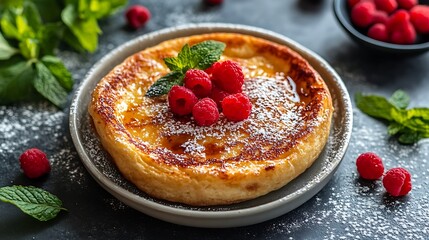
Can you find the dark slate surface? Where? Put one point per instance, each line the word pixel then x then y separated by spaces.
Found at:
pixel 347 208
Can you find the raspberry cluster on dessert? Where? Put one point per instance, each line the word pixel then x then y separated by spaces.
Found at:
pixel 208 93
pixel 394 21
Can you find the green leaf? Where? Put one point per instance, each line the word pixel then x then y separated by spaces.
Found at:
pixel 182 62
pixel 400 99
pixel 374 106
pixel 29 48
pixel 49 37
pixel 16 80
pixel 394 128
pixel 33 201
pixel 85 30
pixel 47 85
pixel 60 72
pixel 164 84
pixel 6 51
pixel 208 52
pixel 8 27
pixel 409 137
pixel 32 16
pixel 201 56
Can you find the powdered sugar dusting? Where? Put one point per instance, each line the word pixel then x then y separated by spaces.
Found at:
pixel 24 126
pixel 276 115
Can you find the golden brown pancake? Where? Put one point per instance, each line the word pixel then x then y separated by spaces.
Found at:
pixel 172 158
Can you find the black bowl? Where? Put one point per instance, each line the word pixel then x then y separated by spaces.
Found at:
pixel 342 13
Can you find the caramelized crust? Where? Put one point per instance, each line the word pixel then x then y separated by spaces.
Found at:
pixel 174 159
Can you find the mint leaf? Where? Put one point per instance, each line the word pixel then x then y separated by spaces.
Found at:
pixel 394 128
pixel 33 201
pixel 85 30
pixel 207 52
pixel 16 80
pixel 46 84
pixel 6 51
pixel 374 106
pixel 49 36
pixel 163 85
pixel 29 48
pixel 410 125
pixel 7 24
pixel 60 72
pixel 400 99
pixel 184 60
pixel 409 137
pixel 31 15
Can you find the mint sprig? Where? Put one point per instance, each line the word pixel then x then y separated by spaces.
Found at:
pixel 33 201
pixel 199 56
pixel 409 125
pixel 30 32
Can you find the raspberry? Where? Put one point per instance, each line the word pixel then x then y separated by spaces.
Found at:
pixel 403 34
pixel 362 14
pixel 181 100
pixel 236 107
pixel 213 2
pixel 228 76
pixel 137 16
pixel 218 95
pixel 369 166
pixel 386 5
pixel 380 17
pixel 213 68
pixel 199 82
pixel 205 112
pixel 378 32
pixel 397 182
pixel 34 163
pixel 420 18
pixel 407 4
pixel 399 17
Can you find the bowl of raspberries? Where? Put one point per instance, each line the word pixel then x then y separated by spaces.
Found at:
pixel 395 26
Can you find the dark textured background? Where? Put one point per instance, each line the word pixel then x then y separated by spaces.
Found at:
pixel 347 208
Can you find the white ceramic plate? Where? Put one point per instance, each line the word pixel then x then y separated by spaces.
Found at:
pixel 272 205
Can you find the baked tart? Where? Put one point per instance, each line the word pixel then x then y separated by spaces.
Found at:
pixel 172 158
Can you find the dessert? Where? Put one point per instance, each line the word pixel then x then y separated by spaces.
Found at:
pixel 172 158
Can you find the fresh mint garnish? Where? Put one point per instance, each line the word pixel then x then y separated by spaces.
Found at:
pixel 199 56
pixel 33 201
pixel 30 32
pixel 409 125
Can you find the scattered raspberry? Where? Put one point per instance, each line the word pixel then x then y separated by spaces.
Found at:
pixel 403 34
pixel 137 16
pixel 380 17
pixel 362 14
pixel 213 2
pixel 369 166
pixel 236 107
pixel 386 5
pixel 397 182
pixel 218 95
pixel 420 18
pixel 181 100
pixel 407 4
pixel 228 76
pixel 199 82
pixel 205 112
pixel 34 163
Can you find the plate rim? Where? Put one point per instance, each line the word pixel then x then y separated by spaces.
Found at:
pixel 201 28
